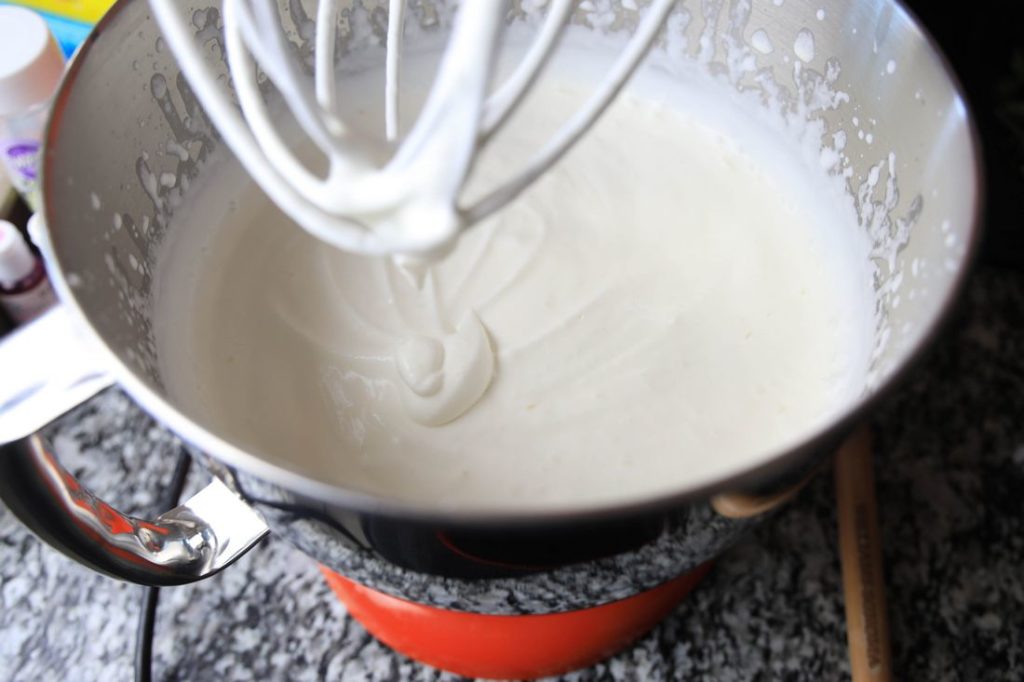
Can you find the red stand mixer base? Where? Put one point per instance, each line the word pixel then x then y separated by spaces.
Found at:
pixel 509 647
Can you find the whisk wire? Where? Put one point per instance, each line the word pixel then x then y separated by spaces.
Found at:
pixel 580 122
pixel 243 70
pixel 323 65
pixel 335 229
pixel 361 204
pixel 504 101
pixel 260 26
pixel 392 66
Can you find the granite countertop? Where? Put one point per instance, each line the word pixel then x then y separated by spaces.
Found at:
pixel 950 463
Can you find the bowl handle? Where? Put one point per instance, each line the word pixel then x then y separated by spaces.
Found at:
pixel 48 368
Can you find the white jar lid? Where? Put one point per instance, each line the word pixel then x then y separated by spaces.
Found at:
pixel 16 259
pixel 31 62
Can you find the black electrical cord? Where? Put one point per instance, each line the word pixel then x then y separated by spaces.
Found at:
pixel 151 595
pixel 144 636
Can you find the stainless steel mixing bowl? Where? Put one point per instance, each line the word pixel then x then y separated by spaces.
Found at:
pixel 126 141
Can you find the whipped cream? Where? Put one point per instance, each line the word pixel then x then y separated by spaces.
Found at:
pixel 675 299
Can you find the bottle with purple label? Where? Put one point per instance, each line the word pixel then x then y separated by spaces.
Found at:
pixel 25 291
pixel 31 65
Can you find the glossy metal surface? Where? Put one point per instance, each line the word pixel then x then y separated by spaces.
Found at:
pixel 48 367
pixel 190 542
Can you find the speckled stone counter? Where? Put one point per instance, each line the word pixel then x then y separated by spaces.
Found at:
pixel 950 463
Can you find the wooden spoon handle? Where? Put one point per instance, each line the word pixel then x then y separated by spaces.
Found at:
pixel 860 550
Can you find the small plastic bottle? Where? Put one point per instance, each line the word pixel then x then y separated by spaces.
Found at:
pixel 31 66
pixel 25 291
